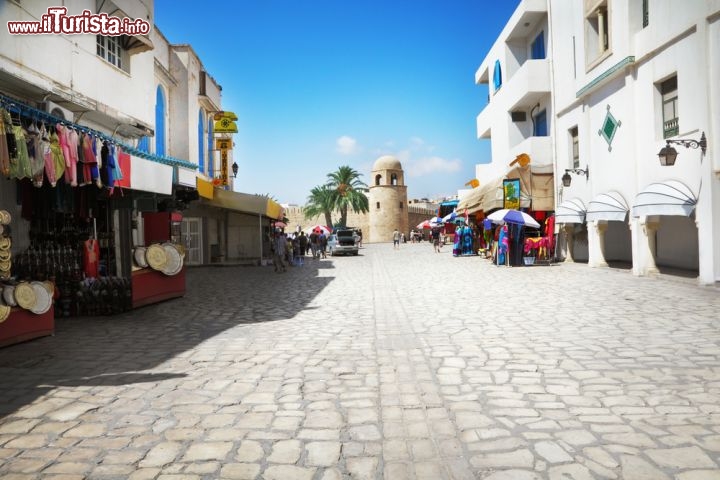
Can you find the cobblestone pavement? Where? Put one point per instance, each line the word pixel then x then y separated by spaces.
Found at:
pixel 392 365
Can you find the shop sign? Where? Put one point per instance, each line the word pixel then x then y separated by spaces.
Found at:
pixel 223 144
pixel 511 193
pixel 225 122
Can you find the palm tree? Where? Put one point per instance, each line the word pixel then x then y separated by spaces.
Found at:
pixel 320 202
pixel 348 192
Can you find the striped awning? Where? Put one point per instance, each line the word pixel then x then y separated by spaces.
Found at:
pixel 607 206
pixel 670 197
pixel 571 211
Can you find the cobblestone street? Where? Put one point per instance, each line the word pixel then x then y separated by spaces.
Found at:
pixel 397 364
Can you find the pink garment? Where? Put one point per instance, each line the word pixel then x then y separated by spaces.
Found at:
pixel 47 156
pixel 70 172
pixel 89 159
pixel 72 137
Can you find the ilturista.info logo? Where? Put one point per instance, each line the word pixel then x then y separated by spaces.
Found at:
pixel 57 21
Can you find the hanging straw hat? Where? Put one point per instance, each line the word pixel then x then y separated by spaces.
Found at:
pixel 156 257
pixel 25 296
pixel 5 243
pixel 5 217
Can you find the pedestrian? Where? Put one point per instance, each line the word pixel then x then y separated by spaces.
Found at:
pixel 322 243
pixel 402 238
pixel 435 234
pixel 302 243
pixel 279 252
pixel 396 239
pixel 314 243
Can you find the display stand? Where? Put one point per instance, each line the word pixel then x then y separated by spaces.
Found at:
pixel 23 325
pixel 150 286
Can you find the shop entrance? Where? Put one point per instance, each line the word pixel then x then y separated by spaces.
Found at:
pixel 192 238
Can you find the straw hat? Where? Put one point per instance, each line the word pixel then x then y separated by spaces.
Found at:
pixel 5 243
pixel 25 296
pixel 44 299
pixel 4 312
pixel 139 256
pixel 174 260
pixel 5 254
pixel 5 217
pixel 8 294
pixel 156 256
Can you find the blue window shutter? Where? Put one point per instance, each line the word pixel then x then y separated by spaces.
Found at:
pixel 201 138
pixel 541 127
pixel 211 147
pixel 160 122
pixel 497 75
pixel 538 47
pixel 144 144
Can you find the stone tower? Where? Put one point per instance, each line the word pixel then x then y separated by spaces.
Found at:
pixel 388 200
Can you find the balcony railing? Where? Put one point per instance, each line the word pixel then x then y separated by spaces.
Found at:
pixel 671 128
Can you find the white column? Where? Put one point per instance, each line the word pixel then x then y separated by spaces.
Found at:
pixel 707 219
pixel 596 243
pixel 644 245
pixel 569 239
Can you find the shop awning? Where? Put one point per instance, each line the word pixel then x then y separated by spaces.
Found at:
pixel 665 198
pixel 239 202
pixel 274 210
pixel 470 201
pixel 607 206
pixel 571 211
pixel 492 195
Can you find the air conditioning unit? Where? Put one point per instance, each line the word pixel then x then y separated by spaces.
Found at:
pixel 518 116
pixel 57 111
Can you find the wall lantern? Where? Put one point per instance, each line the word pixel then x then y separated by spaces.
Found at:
pixel 234 169
pixel 567 179
pixel 668 154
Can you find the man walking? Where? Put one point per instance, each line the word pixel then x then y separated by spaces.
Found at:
pixel 279 252
pixel 396 239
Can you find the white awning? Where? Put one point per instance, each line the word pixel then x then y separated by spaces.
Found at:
pixel 665 198
pixel 571 211
pixel 607 206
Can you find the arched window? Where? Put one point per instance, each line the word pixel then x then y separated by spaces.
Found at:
pixel 497 76
pixel 377 179
pixel 160 122
pixel 211 147
pixel 201 141
pixel 393 179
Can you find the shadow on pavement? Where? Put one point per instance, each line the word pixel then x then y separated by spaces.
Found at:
pixel 116 350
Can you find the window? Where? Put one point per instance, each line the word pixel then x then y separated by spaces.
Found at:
pixel 160 121
pixel 497 76
pixel 393 179
pixel 377 179
pixel 597 34
pixel 669 94
pixel 537 49
pixel 201 143
pixel 401 205
pixel 377 204
pixel 645 13
pixel 575 147
pixel 540 128
pixel 109 49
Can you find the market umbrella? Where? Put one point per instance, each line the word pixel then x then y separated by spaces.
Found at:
pixel 318 229
pixel 424 224
pixel 436 221
pixel 516 217
pixel 450 217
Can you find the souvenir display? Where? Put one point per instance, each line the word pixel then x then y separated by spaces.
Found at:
pixel 25 296
pixel 43 298
pixel 4 312
pixel 139 257
pixel 156 257
pixel 8 294
pixel 174 260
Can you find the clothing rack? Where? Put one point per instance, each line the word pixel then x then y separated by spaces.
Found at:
pixel 13 105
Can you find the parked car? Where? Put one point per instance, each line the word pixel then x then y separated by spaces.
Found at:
pixel 343 242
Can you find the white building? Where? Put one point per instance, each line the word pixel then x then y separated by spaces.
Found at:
pixel 619 79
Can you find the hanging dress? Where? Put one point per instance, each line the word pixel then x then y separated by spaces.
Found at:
pixel 10 144
pixel 57 156
pixel 47 156
pixel 457 241
pixel 4 154
pixel 37 162
pixel 89 160
pixel 22 162
pixel 69 155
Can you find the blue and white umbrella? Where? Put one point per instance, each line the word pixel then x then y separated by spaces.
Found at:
pixel 516 217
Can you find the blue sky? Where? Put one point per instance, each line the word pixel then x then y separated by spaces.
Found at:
pixel 318 84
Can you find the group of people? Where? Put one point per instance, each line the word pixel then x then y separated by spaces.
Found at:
pixel 292 249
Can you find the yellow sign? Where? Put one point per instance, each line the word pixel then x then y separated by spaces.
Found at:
pixel 223 143
pixel 225 125
pixel 229 115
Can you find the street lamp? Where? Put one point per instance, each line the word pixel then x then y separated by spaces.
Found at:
pixel 234 169
pixel 668 154
pixel 567 179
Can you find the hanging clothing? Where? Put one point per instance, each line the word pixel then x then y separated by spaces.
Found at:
pixel 4 153
pixel 47 156
pixel 91 258
pixel 21 167
pixel 69 154
pixel 89 159
pixel 9 138
pixel 117 171
pixel 37 162
pixel 503 245
pixel 457 242
pixel 57 155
